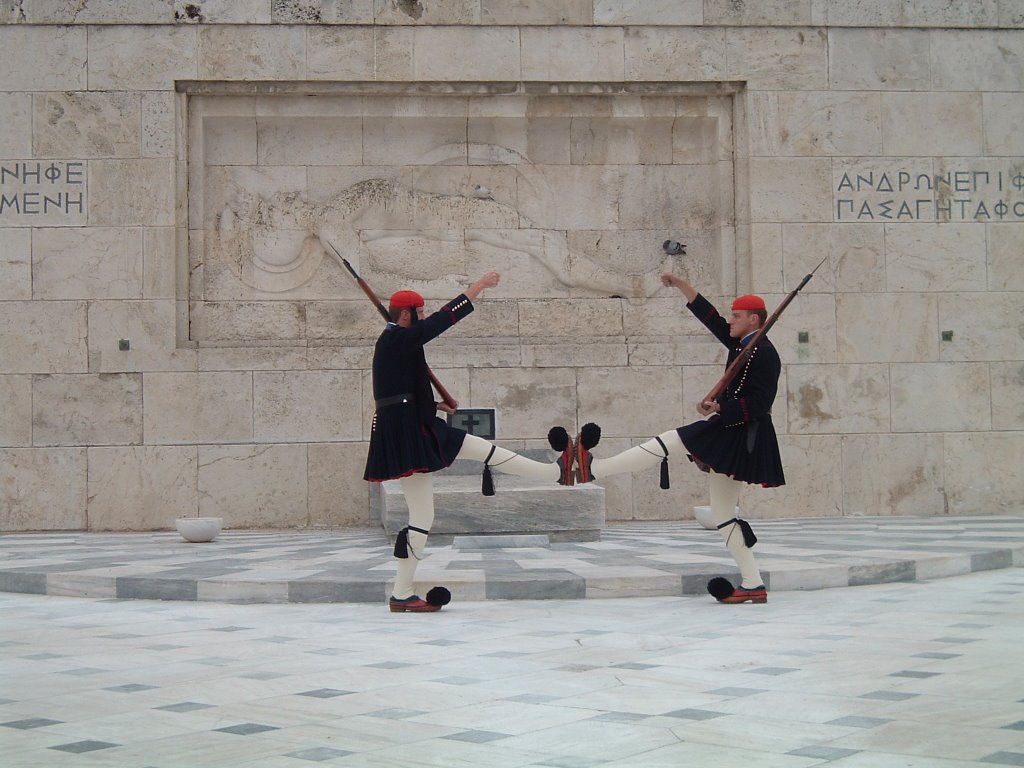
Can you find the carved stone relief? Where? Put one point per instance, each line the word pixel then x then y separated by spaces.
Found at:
pixel 412 202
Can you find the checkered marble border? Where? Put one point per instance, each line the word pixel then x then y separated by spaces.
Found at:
pixel 630 560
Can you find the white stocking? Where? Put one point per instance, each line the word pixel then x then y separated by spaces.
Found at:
pixel 643 456
pixel 725 492
pixel 418 490
pixel 504 460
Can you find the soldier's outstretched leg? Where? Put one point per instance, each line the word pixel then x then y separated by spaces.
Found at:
pixel 509 462
pixel 653 452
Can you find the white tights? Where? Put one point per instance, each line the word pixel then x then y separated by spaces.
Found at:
pixel 418 490
pixel 642 456
pixel 504 460
pixel 725 492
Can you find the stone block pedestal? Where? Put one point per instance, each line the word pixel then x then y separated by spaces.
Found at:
pixel 519 506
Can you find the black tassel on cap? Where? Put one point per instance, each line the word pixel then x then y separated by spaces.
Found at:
pixel 487 488
pixel 664 465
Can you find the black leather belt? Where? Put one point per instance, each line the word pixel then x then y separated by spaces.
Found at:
pixel 395 400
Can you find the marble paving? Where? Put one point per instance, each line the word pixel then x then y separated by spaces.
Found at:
pixel 631 560
pixel 916 674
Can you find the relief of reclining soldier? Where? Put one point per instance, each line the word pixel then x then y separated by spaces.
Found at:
pixel 276 243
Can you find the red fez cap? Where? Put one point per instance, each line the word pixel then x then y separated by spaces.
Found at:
pixel 405 300
pixel 749 302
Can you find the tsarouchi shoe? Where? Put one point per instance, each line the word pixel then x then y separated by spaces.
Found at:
pixel 413 604
pixel 560 441
pixel 590 435
pixel 724 592
pixel 744 595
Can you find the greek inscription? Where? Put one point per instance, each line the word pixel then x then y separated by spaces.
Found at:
pixel 911 194
pixel 53 188
pixel 926 209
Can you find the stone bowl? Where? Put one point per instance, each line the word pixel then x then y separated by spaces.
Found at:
pixel 199 529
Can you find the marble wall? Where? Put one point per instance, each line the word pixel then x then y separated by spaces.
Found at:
pixel 176 338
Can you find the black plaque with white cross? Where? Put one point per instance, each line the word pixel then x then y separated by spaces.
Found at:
pixel 475 421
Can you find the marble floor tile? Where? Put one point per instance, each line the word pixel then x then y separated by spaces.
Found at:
pixel 812 678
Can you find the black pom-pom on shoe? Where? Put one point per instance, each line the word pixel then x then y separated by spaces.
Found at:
pixel 439 596
pixel 558 438
pixel 720 588
pixel 590 435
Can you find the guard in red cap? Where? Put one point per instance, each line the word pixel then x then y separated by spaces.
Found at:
pixel 735 442
pixel 751 303
pixel 405 300
pixel 408 441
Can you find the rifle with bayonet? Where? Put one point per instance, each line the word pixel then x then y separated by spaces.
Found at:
pixel 741 359
pixel 446 397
